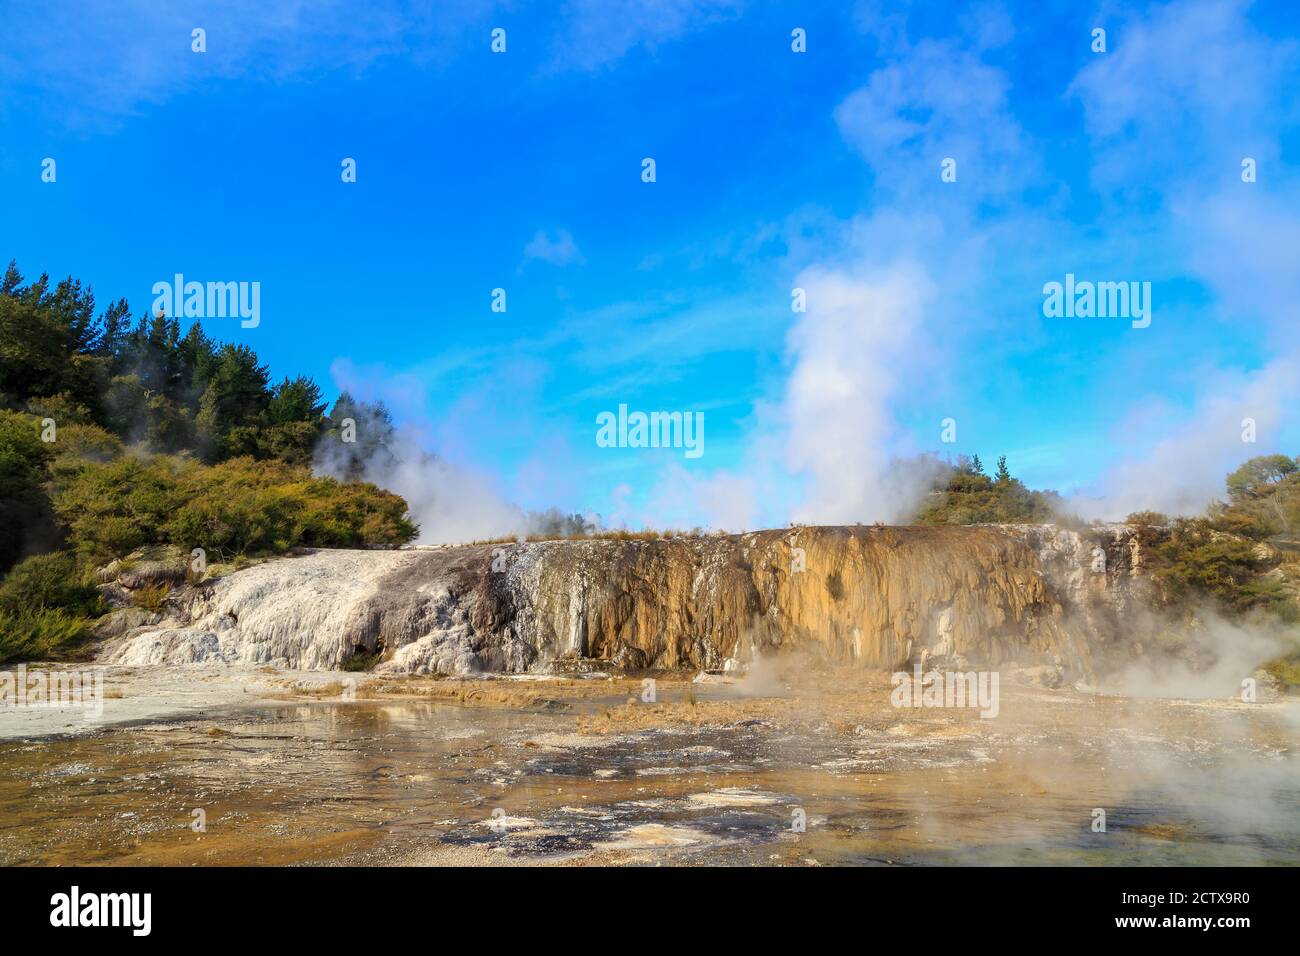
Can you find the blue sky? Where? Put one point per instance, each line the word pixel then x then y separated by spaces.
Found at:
pixel 775 170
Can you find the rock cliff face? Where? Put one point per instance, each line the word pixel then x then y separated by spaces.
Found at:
pixel 879 596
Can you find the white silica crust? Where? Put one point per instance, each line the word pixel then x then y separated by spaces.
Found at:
pixel 878 597
pixel 300 612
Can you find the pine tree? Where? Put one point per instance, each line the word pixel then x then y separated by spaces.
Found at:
pixel 295 400
pixel 13 280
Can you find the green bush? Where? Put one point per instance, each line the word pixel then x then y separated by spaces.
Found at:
pixel 1263 499
pixel 1149 527
pixel 973 498
pixel 23 504
pixel 47 581
pixel 62 408
pixel 1146 519
pixel 1196 560
pixel 363 661
pixel 247 506
pixel 353 514
pixel 115 507
pixel 45 634
pixel 1286 670
pixel 151 597
pixel 1246 522
pixel 78 443
pixel 241 506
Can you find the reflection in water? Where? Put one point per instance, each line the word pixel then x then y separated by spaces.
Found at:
pixel 414 782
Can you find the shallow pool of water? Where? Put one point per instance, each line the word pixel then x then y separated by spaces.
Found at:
pixel 406 781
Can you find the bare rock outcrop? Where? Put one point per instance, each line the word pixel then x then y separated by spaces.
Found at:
pixel 878 596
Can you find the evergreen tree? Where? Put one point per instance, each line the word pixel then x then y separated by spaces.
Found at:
pixel 372 431
pixel 295 400
pixel 115 334
pixel 13 280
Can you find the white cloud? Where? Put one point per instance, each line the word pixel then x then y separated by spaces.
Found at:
pixel 935 102
pixel 558 251
pixel 96 62
pixel 92 64
pixel 1243 243
pixel 596 33
pixel 1184 91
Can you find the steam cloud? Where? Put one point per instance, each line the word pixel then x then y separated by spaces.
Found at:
pixel 849 346
pixel 452 503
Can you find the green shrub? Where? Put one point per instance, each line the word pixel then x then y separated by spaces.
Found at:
pixel 151 597
pixel 1146 519
pixel 115 507
pixel 22 470
pixel 1245 523
pixel 63 408
pixel 363 661
pixel 76 444
pixel 236 507
pixel 353 514
pixel 45 634
pixel 1195 560
pixel 48 581
pixel 1286 670
pixel 969 497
